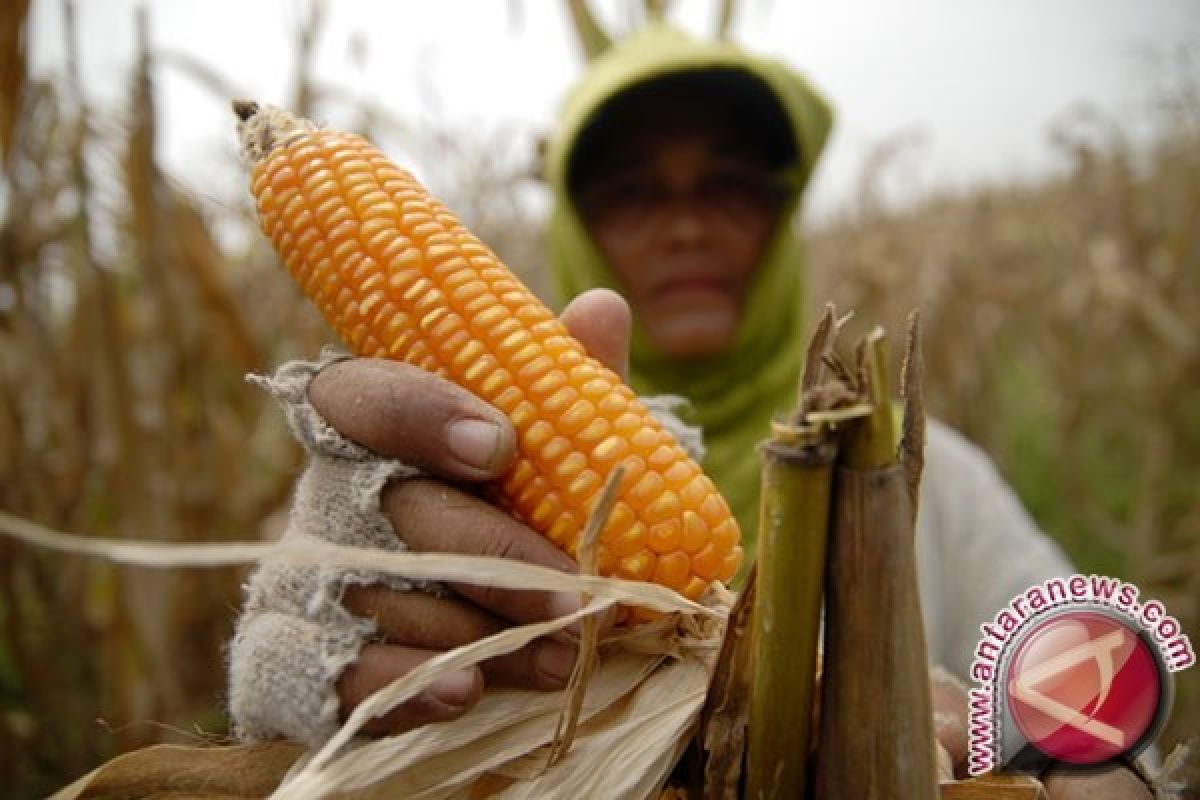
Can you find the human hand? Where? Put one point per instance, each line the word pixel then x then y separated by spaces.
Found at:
pixel 950 701
pixel 1114 783
pixel 399 411
pixel 950 727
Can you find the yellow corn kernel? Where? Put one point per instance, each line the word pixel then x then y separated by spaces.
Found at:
pixel 396 275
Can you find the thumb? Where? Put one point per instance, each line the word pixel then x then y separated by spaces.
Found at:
pixel 601 320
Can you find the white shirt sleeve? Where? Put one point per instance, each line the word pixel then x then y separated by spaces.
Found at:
pixel 977 547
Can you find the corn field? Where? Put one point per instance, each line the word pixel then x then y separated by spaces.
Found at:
pixel 1060 329
pixel 1061 335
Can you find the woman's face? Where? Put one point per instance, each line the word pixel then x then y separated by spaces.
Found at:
pixel 683 210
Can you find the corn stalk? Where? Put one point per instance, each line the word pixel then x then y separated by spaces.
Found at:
pixel 796 485
pixel 876 734
pixel 832 474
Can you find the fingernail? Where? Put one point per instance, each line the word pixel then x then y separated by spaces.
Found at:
pixel 561 605
pixel 474 441
pixel 455 690
pixel 555 662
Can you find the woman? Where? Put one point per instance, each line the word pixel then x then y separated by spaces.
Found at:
pixel 677 170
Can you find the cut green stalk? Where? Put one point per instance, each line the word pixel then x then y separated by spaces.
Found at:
pixel 796 486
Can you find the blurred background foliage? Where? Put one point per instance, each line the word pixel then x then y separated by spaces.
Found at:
pixel 1060 323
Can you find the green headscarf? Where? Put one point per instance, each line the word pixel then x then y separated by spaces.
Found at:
pixel 732 396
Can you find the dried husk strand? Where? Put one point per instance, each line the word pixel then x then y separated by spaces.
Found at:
pixel 723 723
pixel 911 451
pixel 585 663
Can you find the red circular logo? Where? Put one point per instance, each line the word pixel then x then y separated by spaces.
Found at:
pixel 1083 687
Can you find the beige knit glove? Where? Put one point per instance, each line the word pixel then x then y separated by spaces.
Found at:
pixel 294 636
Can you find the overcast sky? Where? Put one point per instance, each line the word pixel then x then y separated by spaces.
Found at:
pixel 980 81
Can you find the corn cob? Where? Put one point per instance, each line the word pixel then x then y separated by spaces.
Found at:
pixel 398 276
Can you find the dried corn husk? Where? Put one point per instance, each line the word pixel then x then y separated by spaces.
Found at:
pixel 639 712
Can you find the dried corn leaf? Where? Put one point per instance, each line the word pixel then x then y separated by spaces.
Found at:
pixel 201 773
pixel 637 717
pixel 726 712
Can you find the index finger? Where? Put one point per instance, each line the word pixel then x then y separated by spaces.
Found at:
pixel 432 517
